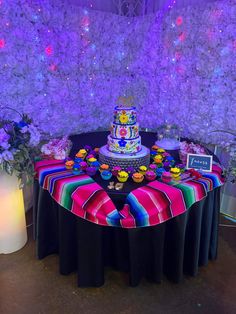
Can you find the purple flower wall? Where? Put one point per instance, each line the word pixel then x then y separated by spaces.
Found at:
pixel 66 66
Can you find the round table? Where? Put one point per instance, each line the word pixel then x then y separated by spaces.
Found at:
pixel 177 246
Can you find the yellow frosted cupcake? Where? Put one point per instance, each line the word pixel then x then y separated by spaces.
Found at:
pixel 160 151
pixel 175 172
pixel 158 159
pixel 142 170
pixel 122 176
pixel 92 159
pixel 83 152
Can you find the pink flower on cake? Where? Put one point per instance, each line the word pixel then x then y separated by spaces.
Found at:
pixel 123 132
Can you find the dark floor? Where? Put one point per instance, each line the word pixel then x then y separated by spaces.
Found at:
pixel 28 285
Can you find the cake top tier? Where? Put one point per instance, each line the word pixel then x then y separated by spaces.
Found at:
pixel 125 115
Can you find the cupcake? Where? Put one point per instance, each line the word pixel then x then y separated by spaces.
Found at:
pixel 170 159
pixel 181 167
pixel 91 171
pixel 95 164
pixel 137 177
pixel 103 167
pixel 106 175
pixel 69 164
pixel 150 175
pixel 167 165
pixel 165 154
pixel 90 160
pixel 115 170
pixel 90 156
pixel 83 165
pixel 158 159
pixel 79 157
pixel 76 169
pixel 166 177
pixel 142 169
pixel 153 167
pixel 159 172
pixel 153 154
pixel 83 152
pixel 175 172
pixel 130 171
pixel 155 148
pixel 122 176
pixel 160 151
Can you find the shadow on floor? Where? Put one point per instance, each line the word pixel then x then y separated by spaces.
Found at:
pixel 28 285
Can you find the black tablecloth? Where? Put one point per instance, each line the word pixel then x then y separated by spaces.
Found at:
pixel 172 248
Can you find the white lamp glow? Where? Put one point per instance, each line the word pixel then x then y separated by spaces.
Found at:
pixel 13 235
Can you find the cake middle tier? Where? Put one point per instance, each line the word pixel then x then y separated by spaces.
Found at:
pixel 124 131
pixel 124 146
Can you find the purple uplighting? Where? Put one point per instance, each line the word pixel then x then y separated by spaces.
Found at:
pixel 77 62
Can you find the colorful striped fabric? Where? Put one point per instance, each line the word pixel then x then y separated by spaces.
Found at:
pixel 80 194
pixel 152 204
pixel 157 202
pixel 146 206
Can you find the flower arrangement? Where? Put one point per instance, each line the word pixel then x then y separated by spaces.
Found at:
pixel 56 148
pixel 18 146
pixel 189 148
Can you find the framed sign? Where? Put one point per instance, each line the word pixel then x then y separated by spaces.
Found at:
pixel 199 162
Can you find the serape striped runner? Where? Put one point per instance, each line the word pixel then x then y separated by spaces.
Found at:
pixel 157 202
pixel 146 206
pixel 79 194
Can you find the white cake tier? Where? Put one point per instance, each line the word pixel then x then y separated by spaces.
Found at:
pixel 125 116
pixel 168 143
pixel 124 146
pixel 124 131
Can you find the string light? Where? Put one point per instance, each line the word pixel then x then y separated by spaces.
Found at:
pixel 179 20
pixel 2 43
pixel 49 50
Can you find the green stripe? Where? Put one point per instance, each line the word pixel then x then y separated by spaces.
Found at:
pixel 69 188
pixel 188 193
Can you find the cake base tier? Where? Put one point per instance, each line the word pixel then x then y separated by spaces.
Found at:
pixel 142 158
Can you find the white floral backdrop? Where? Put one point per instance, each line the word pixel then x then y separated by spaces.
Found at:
pixel 66 66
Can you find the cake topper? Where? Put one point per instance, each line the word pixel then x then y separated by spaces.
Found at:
pixel 125 101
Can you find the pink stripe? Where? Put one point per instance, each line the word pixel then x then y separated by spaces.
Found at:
pixel 83 193
pixel 40 165
pixel 198 188
pixel 128 221
pixel 78 211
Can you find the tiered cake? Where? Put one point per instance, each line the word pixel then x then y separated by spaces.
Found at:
pixel 124 142
pixel 124 137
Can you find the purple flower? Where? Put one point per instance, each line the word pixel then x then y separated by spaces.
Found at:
pixel 4 137
pixel 7 155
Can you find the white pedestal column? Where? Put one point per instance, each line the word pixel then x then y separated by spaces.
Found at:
pixel 13 234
